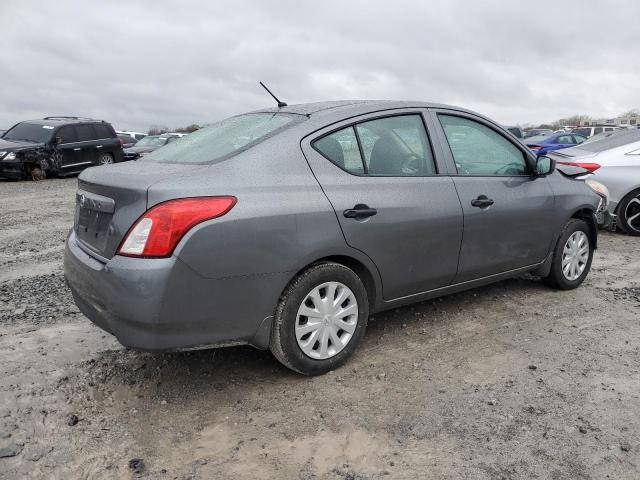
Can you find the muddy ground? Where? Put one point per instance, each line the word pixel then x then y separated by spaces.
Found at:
pixel 508 381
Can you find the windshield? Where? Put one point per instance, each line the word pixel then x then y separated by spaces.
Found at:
pixel 30 132
pixel 152 141
pixel 221 139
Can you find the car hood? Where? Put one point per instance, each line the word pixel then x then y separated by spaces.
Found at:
pixel 15 146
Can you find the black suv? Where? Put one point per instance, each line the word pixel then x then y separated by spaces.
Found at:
pixel 57 146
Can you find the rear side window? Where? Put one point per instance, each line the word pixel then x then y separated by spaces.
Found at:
pixel 597 130
pixel 341 148
pixel 67 134
pixel 481 151
pixel 85 133
pixel 564 140
pixel 391 146
pixel 102 131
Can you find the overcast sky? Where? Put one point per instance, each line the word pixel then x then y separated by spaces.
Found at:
pixel 173 63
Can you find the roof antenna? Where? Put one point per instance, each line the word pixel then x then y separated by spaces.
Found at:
pixel 280 104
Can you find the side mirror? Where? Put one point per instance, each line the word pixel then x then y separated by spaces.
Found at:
pixel 544 166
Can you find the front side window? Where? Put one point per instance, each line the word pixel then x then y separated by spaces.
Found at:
pixel 222 139
pixel 391 146
pixel 578 139
pixel 67 134
pixel 481 151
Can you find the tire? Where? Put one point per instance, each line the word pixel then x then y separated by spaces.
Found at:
pixel 287 338
pixel 576 230
pixel 629 213
pixel 105 159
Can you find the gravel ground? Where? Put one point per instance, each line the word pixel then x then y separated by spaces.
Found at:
pixel 509 381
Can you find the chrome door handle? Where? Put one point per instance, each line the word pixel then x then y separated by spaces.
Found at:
pixel 77 149
pixel 99 146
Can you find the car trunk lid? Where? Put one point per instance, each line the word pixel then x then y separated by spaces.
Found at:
pixel 111 198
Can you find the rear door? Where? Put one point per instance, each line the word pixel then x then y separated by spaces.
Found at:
pixel 67 147
pixel 393 200
pixel 87 144
pixel 507 210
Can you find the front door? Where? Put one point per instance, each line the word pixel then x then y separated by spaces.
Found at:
pixel 507 210
pixel 67 147
pixel 380 175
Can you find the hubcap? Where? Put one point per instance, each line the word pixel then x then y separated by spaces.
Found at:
pixel 632 214
pixel 326 320
pixel 106 160
pixel 575 255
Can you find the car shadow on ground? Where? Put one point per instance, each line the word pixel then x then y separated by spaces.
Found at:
pixel 203 371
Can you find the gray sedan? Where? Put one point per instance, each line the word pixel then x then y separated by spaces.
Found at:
pixel 286 228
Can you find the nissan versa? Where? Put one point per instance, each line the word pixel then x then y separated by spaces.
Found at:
pixel 286 228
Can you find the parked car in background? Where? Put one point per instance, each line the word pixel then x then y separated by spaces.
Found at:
pixel 542 144
pixel 536 132
pixel 136 135
pixel 614 161
pixel 285 228
pixel 127 141
pixel 57 146
pixel 591 131
pixel 147 145
pixel 517 131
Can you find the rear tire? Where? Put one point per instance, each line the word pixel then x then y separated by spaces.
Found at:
pixel 105 159
pixel 338 307
pixel 572 256
pixel 629 213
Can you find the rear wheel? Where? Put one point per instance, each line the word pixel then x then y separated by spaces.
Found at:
pixel 629 213
pixel 105 159
pixel 572 256
pixel 320 319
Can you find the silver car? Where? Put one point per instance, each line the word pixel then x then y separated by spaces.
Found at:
pixel 286 228
pixel 614 161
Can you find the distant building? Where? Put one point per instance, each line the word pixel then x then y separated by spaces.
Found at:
pixel 633 120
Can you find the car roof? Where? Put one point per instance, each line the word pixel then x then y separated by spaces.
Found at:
pixel 347 108
pixel 62 120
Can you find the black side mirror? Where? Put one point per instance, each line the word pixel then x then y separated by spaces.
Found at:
pixel 544 166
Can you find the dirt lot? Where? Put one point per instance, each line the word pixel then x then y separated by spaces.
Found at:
pixel 509 381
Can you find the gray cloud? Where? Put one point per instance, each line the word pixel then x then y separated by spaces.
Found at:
pixel 173 63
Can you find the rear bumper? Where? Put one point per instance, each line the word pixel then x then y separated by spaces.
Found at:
pixel 162 304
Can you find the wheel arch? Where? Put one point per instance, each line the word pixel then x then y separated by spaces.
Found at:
pixel 589 216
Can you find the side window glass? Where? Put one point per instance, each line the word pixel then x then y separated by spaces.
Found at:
pixel 396 146
pixel 67 134
pixel 102 131
pixel 597 130
pixel 481 151
pixel 578 139
pixel 341 148
pixel 564 140
pixel 85 133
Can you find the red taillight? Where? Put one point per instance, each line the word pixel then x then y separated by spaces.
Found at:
pixel 120 143
pixel 592 167
pixel 158 231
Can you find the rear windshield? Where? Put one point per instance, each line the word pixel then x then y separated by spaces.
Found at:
pixel 222 139
pixel 614 140
pixel 30 132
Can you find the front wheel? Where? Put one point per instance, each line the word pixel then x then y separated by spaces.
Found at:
pixel 572 256
pixel 320 319
pixel 629 213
